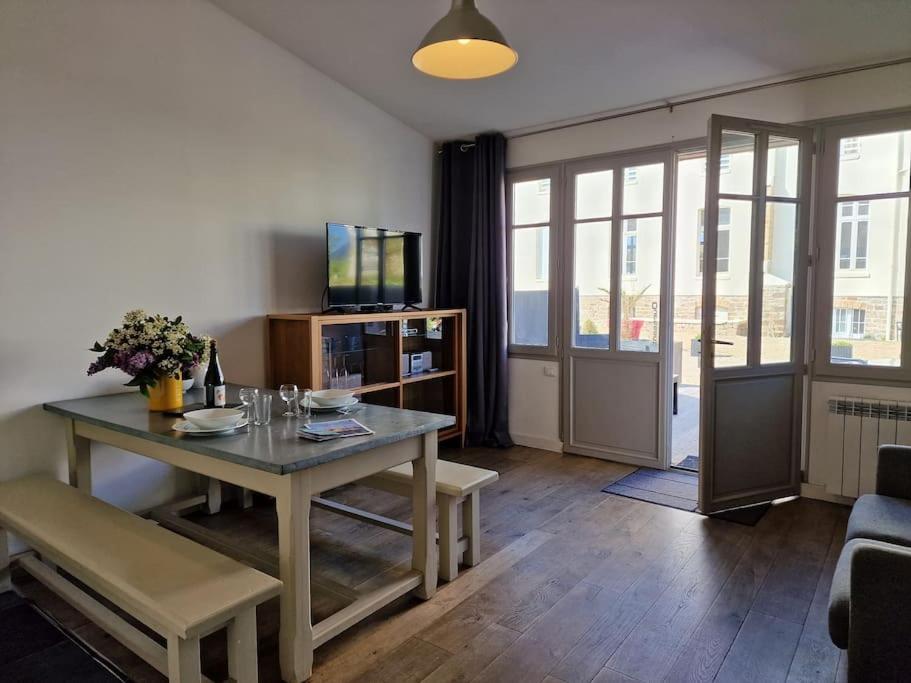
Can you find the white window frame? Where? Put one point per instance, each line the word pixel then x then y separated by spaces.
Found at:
pixel 827 234
pixel 627 234
pixel 849 149
pixel 724 225
pixel 852 221
pixel 548 174
pixel 849 323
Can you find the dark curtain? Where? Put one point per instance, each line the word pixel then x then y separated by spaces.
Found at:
pixel 471 274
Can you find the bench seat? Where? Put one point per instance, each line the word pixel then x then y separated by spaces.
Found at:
pixel 175 586
pixel 458 486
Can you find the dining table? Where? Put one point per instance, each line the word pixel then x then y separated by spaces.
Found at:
pixel 273 460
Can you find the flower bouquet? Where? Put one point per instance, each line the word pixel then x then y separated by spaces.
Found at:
pixel 153 350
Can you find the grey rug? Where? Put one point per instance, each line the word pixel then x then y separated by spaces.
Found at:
pixel 664 487
pixel 677 490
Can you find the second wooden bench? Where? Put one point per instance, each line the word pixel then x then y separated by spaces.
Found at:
pixel 458 487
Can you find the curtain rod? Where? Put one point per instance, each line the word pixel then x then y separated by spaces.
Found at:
pixel 669 105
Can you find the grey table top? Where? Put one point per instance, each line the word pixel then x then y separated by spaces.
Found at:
pixel 274 448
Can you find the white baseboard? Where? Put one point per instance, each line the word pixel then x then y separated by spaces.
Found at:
pixel 818 492
pixel 542 442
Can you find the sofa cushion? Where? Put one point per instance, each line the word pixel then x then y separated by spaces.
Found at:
pixel 840 597
pixel 881 518
pixel 840 591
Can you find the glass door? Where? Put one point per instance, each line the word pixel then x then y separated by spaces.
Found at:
pixel 755 274
pixel 616 377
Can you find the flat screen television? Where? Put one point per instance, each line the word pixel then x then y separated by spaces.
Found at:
pixel 372 266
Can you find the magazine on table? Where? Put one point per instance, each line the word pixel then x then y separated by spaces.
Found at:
pixel 333 429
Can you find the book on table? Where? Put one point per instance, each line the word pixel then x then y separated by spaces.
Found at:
pixel 333 429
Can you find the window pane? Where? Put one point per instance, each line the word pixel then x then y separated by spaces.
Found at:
pixel 739 148
pixel 646 194
pixel 781 170
pixel 732 287
pixel 641 296
pixel 630 246
pixel 687 302
pixel 844 247
pixel 592 285
pixel 594 194
pixel 778 282
pixel 867 307
pixel 530 285
pixel 531 202
pixel 881 165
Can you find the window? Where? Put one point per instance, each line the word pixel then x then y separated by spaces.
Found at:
pixel 530 304
pixel 850 149
pixel 849 323
pixel 541 254
pixel 724 164
pixel 853 226
pixel 724 238
pixel 631 238
pixel 864 224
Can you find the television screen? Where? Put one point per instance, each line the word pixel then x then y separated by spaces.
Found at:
pixel 369 266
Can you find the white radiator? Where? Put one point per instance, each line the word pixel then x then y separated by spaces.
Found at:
pixel 856 429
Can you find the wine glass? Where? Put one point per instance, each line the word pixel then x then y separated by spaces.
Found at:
pixel 246 397
pixel 288 392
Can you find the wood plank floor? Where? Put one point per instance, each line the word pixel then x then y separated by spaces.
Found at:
pixel 575 586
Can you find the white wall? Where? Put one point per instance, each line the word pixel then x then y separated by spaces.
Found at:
pixel 860 92
pixel 159 154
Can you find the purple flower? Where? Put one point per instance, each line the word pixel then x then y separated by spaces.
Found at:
pixel 133 363
pixel 97 366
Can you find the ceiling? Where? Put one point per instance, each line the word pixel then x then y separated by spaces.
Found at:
pixel 576 57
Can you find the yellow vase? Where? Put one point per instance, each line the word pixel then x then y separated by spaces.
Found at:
pixel 167 394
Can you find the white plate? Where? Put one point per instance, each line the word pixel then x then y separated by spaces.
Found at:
pixel 316 408
pixel 187 427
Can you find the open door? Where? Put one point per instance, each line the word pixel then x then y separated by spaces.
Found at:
pixel 755 275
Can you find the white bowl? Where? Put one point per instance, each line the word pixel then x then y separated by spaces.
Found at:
pixel 215 418
pixel 332 398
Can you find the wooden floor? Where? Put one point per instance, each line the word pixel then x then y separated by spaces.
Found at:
pixel 575 586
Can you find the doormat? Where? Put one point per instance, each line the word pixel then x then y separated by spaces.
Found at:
pixel 689 463
pixel 678 490
pixel 34 647
pixel 672 489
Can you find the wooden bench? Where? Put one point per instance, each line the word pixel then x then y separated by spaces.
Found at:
pixel 457 485
pixel 176 587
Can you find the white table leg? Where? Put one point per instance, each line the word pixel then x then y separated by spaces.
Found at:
pixel 79 455
pixel 296 634
pixel 423 501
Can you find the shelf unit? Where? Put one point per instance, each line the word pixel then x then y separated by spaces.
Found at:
pixel 363 352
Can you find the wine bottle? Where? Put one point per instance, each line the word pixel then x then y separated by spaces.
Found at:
pixel 215 381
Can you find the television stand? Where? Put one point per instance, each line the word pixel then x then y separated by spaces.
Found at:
pixel 372 354
pixel 411 307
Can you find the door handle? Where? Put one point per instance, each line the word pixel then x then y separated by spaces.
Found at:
pixel 722 342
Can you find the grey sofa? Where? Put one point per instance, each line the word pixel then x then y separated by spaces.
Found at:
pixel 870 599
